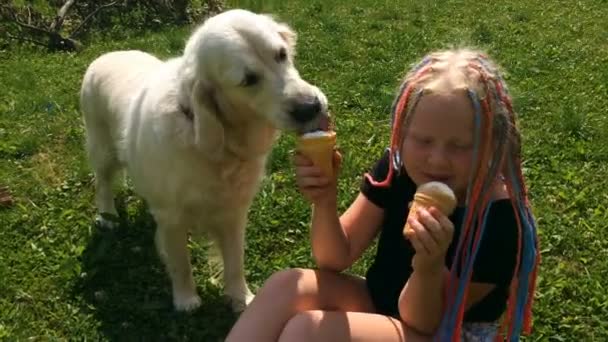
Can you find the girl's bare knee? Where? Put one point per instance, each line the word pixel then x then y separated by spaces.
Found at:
pixel 289 275
pixel 302 327
pixel 285 279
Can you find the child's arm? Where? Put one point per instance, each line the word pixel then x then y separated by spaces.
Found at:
pixel 421 300
pixel 338 242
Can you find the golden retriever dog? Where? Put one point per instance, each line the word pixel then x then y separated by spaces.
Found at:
pixel 194 133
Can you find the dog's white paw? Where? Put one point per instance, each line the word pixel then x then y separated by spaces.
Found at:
pixel 240 304
pixel 106 221
pixel 186 302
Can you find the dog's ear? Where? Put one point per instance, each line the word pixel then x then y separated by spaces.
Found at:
pixel 208 127
pixel 288 35
pixel 284 30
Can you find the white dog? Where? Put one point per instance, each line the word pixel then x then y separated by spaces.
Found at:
pixel 194 134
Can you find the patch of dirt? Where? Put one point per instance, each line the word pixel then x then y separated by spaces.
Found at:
pixel 6 200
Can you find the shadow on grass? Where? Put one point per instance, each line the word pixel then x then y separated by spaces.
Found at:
pixel 126 289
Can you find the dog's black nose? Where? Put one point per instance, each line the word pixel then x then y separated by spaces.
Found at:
pixel 306 110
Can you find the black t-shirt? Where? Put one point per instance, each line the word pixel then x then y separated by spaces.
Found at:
pixel 494 263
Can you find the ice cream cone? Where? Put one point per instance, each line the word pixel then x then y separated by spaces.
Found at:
pixel 432 194
pixel 319 147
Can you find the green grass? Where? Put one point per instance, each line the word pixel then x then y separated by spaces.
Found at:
pixel 61 279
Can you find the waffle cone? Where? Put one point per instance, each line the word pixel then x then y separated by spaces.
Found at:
pixel 433 194
pixel 320 150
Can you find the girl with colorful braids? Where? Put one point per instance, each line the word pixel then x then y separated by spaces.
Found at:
pixel 469 276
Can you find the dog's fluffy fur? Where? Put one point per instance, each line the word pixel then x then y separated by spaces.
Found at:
pixel 194 133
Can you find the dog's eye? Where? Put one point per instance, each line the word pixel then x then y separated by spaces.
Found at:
pixel 281 55
pixel 251 78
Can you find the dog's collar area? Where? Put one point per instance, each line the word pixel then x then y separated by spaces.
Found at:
pixel 187 112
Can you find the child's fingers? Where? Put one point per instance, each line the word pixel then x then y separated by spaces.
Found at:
pixel 432 226
pixel 422 235
pixel 308 182
pixel 314 194
pixel 420 249
pixel 337 160
pixel 301 160
pixel 309 177
pixel 308 171
pixel 447 227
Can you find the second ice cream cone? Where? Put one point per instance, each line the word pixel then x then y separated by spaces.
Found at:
pixel 319 147
pixel 432 194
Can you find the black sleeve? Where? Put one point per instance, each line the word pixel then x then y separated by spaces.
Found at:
pixel 496 257
pixel 377 195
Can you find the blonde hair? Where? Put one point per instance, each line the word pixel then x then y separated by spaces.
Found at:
pixel 497 153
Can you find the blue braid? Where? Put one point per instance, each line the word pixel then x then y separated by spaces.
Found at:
pixel 447 327
pixel 528 254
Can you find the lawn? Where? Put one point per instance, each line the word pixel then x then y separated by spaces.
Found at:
pixel 62 279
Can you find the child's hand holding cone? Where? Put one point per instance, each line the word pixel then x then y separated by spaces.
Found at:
pixel 319 146
pixel 316 163
pixel 432 194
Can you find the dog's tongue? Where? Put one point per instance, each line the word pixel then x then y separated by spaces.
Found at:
pixel 323 124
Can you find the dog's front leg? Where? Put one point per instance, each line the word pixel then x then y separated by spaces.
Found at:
pixel 172 244
pixel 232 246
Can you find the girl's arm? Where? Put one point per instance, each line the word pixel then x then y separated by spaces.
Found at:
pixel 421 301
pixel 422 298
pixel 338 242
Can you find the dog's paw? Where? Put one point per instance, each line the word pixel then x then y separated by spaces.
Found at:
pixel 240 304
pixel 106 221
pixel 186 303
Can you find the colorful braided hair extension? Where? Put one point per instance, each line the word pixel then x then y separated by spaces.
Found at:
pixel 497 153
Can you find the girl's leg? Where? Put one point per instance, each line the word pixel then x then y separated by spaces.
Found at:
pixel 337 326
pixel 289 292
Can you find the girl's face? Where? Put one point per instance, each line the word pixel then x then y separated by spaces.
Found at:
pixel 438 144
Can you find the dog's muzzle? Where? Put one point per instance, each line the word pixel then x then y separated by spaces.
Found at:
pixel 306 110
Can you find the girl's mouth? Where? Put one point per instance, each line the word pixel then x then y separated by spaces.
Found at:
pixel 437 178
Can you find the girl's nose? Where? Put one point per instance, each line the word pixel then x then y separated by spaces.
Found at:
pixel 438 157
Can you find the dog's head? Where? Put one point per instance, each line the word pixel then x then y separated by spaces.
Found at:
pixel 241 65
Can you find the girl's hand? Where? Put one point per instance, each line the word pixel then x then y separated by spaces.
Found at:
pixel 313 185
pixel 431 237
